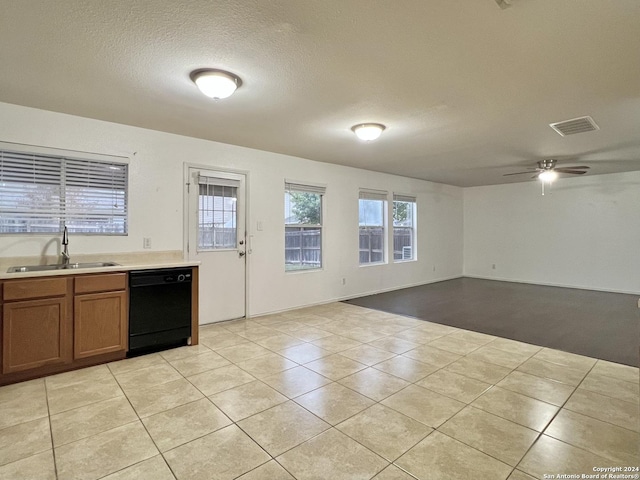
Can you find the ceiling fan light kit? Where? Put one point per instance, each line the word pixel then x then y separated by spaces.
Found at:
pixel 548 176
pixel 216 84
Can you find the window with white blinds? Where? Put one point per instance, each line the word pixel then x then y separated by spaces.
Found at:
pixel 42 193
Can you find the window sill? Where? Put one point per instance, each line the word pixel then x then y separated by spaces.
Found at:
pixel 377 264
pixel 306 270
pixel 406 261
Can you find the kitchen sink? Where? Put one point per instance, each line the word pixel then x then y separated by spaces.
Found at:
pixel 60 266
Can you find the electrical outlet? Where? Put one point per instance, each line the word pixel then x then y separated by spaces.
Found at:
pixel 493 266
pixel 344 281
pixel 146 242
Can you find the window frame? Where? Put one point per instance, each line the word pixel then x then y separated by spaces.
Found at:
pixel 217 182
pixel 293 187
pixel 374 195
pixel 63 212
pixel 410 199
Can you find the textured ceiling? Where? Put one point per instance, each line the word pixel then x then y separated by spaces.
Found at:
pixel 466 89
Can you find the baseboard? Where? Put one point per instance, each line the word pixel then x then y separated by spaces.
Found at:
pixel 436 280
pixel 546 284
pixel 355 295
pixel 391 289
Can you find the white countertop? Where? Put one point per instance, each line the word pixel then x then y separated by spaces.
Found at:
pixel 81 271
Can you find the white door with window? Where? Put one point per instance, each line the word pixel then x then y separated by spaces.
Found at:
pixel 217 239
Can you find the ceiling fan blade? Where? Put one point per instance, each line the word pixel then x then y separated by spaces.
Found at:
pixel 573 172
pixel 517 173
pixel 581 167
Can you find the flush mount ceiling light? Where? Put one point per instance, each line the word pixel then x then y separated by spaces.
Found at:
pixel 368 131
pixel 216 84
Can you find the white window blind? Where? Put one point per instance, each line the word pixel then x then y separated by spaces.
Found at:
pixel 299 187
pixel 43 193
pixel 373 195
pixel 403 198
pixel 223 182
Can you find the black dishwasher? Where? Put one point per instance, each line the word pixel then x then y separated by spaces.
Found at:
pixel 159 309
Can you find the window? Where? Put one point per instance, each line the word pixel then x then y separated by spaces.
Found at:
pixel 372 220
pixel 217 213
pixel 404 212
pixel 41 193
pixel 303 226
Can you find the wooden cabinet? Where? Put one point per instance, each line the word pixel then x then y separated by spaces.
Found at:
pixel 100 319
pixel 59 323
pixel 37 324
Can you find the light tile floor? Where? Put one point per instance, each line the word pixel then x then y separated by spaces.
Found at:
pixel 330 392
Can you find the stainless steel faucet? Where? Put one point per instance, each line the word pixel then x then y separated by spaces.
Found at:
pixel 65 246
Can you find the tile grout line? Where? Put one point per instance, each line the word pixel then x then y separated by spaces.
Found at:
pixel 477 450
pixel 553 418
pixel 588 416
pixel 53 450
pixel 144 426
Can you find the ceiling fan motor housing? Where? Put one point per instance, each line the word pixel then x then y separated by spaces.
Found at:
pixel 547 164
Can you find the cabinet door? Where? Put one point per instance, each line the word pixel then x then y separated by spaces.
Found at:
pixel 100 323
pixel 35 333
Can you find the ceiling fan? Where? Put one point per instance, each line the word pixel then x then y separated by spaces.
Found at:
pixel 547 171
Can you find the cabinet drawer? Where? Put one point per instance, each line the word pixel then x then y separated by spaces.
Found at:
pixel 34 288
pixel 100 283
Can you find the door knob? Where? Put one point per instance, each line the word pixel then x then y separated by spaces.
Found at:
pixel 241 254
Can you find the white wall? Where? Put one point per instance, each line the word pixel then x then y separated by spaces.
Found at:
pixel 156 208
pixel 584 233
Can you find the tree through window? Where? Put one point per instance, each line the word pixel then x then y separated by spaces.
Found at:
pixel 303 226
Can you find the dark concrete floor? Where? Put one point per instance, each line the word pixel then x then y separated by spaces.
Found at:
pixel 597 324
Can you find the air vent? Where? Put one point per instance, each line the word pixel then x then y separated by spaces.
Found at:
pixel 575 125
